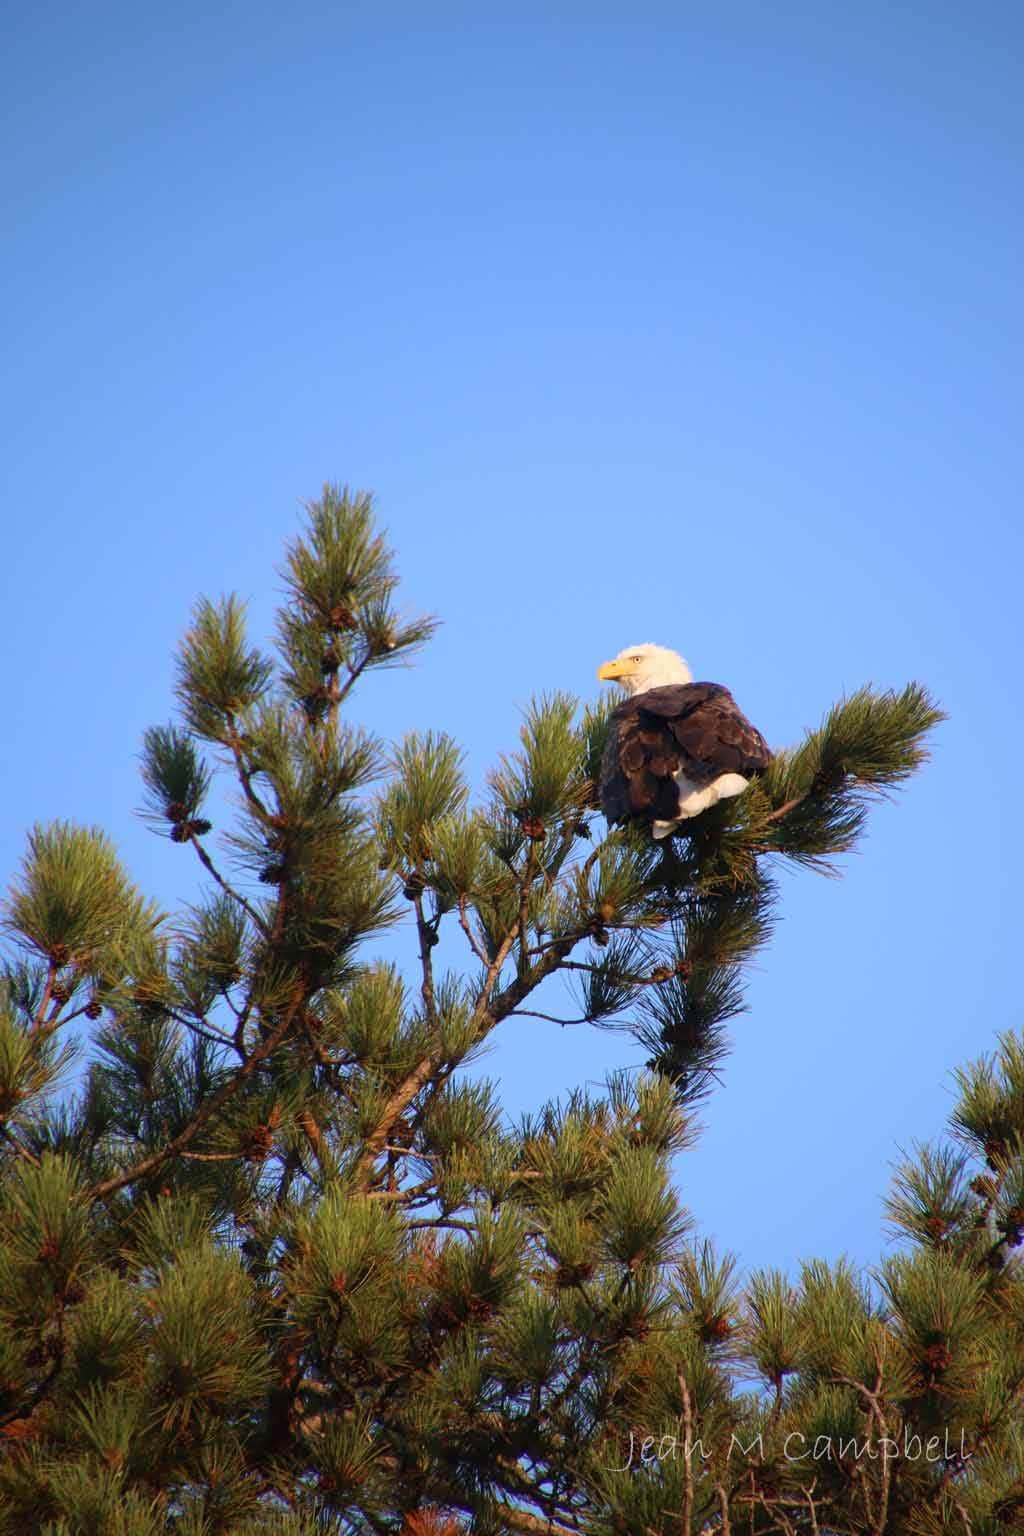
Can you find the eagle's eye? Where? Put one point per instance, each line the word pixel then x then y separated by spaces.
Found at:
pixel 636 658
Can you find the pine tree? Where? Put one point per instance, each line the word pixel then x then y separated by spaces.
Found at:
pixel 272 1261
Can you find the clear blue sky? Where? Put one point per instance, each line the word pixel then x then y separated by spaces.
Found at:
pixel 698 324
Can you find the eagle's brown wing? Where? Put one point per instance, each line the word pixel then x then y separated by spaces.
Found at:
pixel 693 727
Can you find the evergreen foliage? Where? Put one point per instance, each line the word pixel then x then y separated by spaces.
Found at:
pixel 275 1264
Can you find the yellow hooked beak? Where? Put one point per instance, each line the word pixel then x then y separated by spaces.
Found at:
pixel 611 671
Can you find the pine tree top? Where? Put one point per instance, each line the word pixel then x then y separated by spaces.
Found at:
pixel 279 1264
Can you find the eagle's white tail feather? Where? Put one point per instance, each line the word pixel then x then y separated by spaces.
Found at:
pixel 693 800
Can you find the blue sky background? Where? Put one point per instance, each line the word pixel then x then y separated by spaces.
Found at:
pixel 698 324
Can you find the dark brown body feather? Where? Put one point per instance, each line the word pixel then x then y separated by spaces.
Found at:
pixel 693 727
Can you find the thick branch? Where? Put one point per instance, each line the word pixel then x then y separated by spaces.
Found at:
pixel 44 1002
pixel 402 1097
pixel 790 805
pixel 489 1014
pixel 520 989
pixel 427 940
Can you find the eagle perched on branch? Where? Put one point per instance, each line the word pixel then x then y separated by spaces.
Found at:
pixel 674 746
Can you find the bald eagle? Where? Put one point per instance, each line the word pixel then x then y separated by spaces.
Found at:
pixel 674 746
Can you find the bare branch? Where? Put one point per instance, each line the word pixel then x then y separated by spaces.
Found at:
pixel 229 890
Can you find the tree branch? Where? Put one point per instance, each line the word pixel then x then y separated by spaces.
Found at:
pixel 427 939
pixel 216 1101
pixel 44 1002
pixel 229 890
pixel 464 924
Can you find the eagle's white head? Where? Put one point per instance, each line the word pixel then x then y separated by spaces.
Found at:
pixel 640 667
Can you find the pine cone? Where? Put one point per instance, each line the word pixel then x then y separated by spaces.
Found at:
pixel 689 1035
pixel 60 954
pixel 176 811
pixel 827 779
pixel 1005 1511
pixel 716 1328
pixel 307 1123
pixel 637 1328
pixel 428 1521
pixel 533 828
pixel 936 1358
pixel 341 618
pixel 60 993
pixel 257 1145
pixel 569 1276
pixel 1012 1226
pixel 93 1010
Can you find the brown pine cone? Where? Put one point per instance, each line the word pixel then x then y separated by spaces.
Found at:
pixel 341 618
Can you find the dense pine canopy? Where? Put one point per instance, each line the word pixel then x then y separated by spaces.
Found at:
pixel 271 1261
